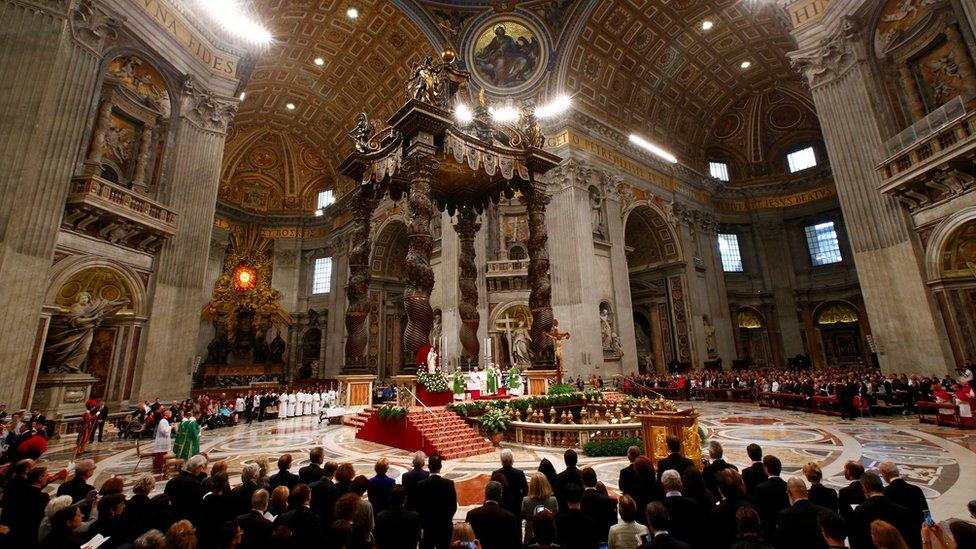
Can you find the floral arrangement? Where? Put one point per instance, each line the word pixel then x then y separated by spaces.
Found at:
pixel 433 382
pixel 513 381
pixel 494 422
pixel 388 412
pixel 561 389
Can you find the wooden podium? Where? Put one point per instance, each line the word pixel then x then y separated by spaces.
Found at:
pixel 537 381
pixel 357 389
pixel 683 424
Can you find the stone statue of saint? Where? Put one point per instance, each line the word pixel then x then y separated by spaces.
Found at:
pixel 596 212
pixel 519 341
pixel 431 361
pixel 67 346
pixel 611 341
pixel 436 330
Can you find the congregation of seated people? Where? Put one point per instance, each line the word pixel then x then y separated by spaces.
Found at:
pixel 329 505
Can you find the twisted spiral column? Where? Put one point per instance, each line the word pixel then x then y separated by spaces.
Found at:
pixel 420 276
pixel 467 227
pixel 357 289
pixel 535 201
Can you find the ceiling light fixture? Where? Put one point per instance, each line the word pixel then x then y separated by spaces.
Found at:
pixel 231 15
pixel 319 61
pixel 352 13
pixel 652 148
pixel 706 25
pixel 242 95
pixel 463 113
pixel 503 114
pixel 319 212
pixel 558 106
pixel 290 106
pixel 745 65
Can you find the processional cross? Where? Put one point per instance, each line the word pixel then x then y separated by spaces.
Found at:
pixel 557 338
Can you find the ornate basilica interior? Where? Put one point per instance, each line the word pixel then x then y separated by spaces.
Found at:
pixel 744 183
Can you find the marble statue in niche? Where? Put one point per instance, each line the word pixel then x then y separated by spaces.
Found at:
pixel 276 350
pixel 68 342
pixel 611 341
pixel 519 341
pixel 710 345
pixel 436 330
pixel 596 213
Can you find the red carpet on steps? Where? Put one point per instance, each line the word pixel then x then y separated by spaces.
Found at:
pixel 435 430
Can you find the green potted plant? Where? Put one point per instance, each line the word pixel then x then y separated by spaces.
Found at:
pixel 389 412
pixel 495 423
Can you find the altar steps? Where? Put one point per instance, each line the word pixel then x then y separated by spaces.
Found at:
pixel 433 431
pixel 452 437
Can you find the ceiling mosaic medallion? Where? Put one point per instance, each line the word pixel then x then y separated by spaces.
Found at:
pixel 507 54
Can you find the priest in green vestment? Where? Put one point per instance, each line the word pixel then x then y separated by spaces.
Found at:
pixel 187 443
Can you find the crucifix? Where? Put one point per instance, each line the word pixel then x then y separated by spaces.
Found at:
pixel 506 323
pixel 557 338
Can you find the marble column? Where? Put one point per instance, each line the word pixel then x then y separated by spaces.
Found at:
pixel 623 304
pixel 845 90
pixel 467 228
pixel 180 270
pixel 48 81
pixel 357 288
pixel 420 276
pixel 333 348
pixel 780 280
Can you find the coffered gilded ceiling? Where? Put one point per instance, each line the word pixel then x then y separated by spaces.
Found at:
pixel 647 66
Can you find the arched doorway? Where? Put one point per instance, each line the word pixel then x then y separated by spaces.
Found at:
pixel 952 275
pixel 752 339
pixel 657 289
pixel 840 334
pixel 387 316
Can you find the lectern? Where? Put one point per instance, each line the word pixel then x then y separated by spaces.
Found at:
pixel 659 425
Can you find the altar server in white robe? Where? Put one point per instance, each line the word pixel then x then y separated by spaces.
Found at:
pixel 306 403
pixel 283 405
pixel 293 403
pixel 316 402
pixel 300 405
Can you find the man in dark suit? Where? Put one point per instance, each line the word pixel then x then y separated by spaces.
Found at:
pixel 283 477
pixel 770 495
pixel 852 495
pixel 517 489
pixel 628 476
pixel 685 513
pixel 797 526
pixel 325 494
pixel 255 525
pixel 721 521
pixel 674 459
pixel 715 453
pixel 185 491
pixel 380 485
pixel 833 529
pixel 412 477
pixel 397 528
pixel 657 523
pixel 242 495
pixel 570 475
pixel 437 503
pixel 305 526
pixel 819 494
pixel 601 509
pixel 78 487
pixel 879 507
pixel 755 473
pixel 575 530
pixel 901 492
pixel 494 527
pixel 313 471
pixel 101 416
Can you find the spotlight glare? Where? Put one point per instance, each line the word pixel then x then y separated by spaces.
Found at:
pixel 745 64
pixel 503 114
pixel 463 113
pixel 242 95
pixel 558 106
pixel 319 212
pixel 230 15
pixel 652 148
pixel 706 25
pixel 290 106
pixel 352 13
pixel 319 61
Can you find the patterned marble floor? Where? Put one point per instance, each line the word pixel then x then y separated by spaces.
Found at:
pixel 939 459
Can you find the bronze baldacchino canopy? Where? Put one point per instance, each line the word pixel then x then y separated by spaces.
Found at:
pixel 426 154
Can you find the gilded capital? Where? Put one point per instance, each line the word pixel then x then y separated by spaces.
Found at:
pixel 832 58
pixel 205 109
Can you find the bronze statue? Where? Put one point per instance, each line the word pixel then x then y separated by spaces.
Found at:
pixel 361 133
pixel 422 84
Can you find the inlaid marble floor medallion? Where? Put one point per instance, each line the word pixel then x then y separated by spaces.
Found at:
pixel 938 459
